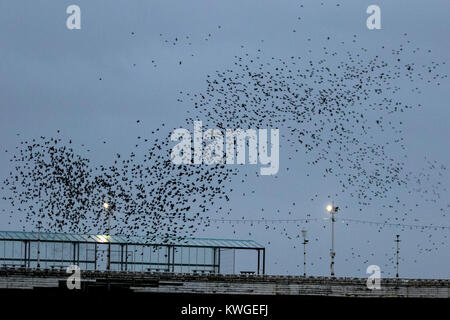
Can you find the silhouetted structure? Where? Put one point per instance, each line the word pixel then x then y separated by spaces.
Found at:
pixel 33 250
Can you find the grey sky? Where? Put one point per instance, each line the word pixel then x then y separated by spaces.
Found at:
pixel 49 80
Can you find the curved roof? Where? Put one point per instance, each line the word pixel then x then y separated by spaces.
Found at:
pixel 121 239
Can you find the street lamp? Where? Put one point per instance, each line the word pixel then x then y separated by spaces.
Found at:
pixel 108 207
pixel 304 251
pixel 333 210
pixel 397 240
pixel 39 246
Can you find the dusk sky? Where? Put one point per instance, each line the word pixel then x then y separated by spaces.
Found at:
pixel 132 58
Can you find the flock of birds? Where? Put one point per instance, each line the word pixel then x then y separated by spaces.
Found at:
pixel 62 191
pixel 341 107
pixel 341 110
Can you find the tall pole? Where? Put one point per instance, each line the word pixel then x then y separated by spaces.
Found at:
pixel 304 251
pixel 39 246
pixel 397 240
pixel 108 262
pixel 332 252
pixel 332 210
pixel 108 207
pixel 304 258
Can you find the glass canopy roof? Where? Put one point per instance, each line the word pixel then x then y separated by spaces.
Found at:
pixel 135 240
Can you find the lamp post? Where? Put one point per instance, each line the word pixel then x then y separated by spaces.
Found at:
pixel 304 251
pixel 333 210
pixel 108 209
pixel 397 240
pixel 39 246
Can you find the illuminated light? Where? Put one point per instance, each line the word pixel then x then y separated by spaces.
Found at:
pixel 106 205
pixel 329 208
pixel 103 238
pixel 304 233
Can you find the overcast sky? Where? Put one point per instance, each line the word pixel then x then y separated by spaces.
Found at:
pixel 50 80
